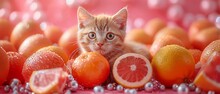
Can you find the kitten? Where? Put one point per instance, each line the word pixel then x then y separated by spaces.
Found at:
pixel 105 34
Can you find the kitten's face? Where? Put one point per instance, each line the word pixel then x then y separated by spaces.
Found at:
pixel 101 33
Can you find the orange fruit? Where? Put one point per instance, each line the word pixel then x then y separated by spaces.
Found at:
pixel 32 44
pixel 41 60
pixel 205 36
pixel 208 77
pixel 48 81
pixel 138 35
pixel 57 50
pixel 23 30
pixel 172 64
pixel 4 66
pixel 16 61
pixel 196 53
pixel 153 26
pixel 5 29
pixel 68 41
pixel 90 69
pixel 132 70
pixel 175 32
pixel 197 26
pixel 7 46
pixel 53 33
pixel 163 41
pixel 213 46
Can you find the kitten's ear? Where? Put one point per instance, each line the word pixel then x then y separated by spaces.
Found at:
pixel 120 18
pixel 84 17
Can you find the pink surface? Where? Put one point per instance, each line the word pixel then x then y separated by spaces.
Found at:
pixel 58 12
pixel 117 92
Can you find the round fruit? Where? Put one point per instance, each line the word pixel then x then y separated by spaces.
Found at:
pixel 4 66
pixel 206 53
pixel 138 35
pixel 175 32
pixel 41 60
pixel 197 26
pixel 132 70
pixel 16 61
pixel 57 50
pixel 153 26
pixel 32 44
pixel 172 64
pixel 53 33
pixel 90 69
pixel 68 41
pixel 23 30
pixel 204 37
pixel 7 46
pixel 163 41
pixel 48 81
pixel 5 29
pixel 208 77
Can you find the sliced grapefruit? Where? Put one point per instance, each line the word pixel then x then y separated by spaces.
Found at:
pixel 48 81
pixel 209 76
pixel 132 70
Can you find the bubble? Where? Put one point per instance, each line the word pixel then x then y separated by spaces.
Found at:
pixel 208 6
pixel 138 23
pixel 71 3
pixel 175 12
pixel 157 4
pixel 217 22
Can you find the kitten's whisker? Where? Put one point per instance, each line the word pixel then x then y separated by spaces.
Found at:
pixel 74 53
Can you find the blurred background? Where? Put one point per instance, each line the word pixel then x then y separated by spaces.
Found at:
pixel 63 12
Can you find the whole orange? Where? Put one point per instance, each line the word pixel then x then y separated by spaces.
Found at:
pixel 16 61
pixel 175 32
pixel 153 26
pixel 205 36
pixel 172 64
pixel 197 26
pixel 163 41
pixel 53 33
pixel 4 66
pixel 7 46
pixel 68 41
pixel 32 44
pixel 5 29
pixel 41 60
pixel 138 35
pixel 58 50
pixel 90 69
pixel 23 30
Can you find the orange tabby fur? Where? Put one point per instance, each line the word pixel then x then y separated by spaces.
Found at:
pixel 105 34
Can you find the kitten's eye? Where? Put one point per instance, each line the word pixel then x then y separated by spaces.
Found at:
pixel 92 35
pixel 110 36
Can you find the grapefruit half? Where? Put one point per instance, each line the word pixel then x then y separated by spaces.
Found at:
pixel 209 76
pixel 48 81
pixel 132 70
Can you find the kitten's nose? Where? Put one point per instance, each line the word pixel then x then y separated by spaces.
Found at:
pixel 99 44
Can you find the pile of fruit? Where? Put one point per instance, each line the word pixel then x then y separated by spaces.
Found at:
pixel 47 60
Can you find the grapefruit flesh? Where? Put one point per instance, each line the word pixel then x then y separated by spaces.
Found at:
pixel 48 81
pixel 209 76
pixel 132 70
